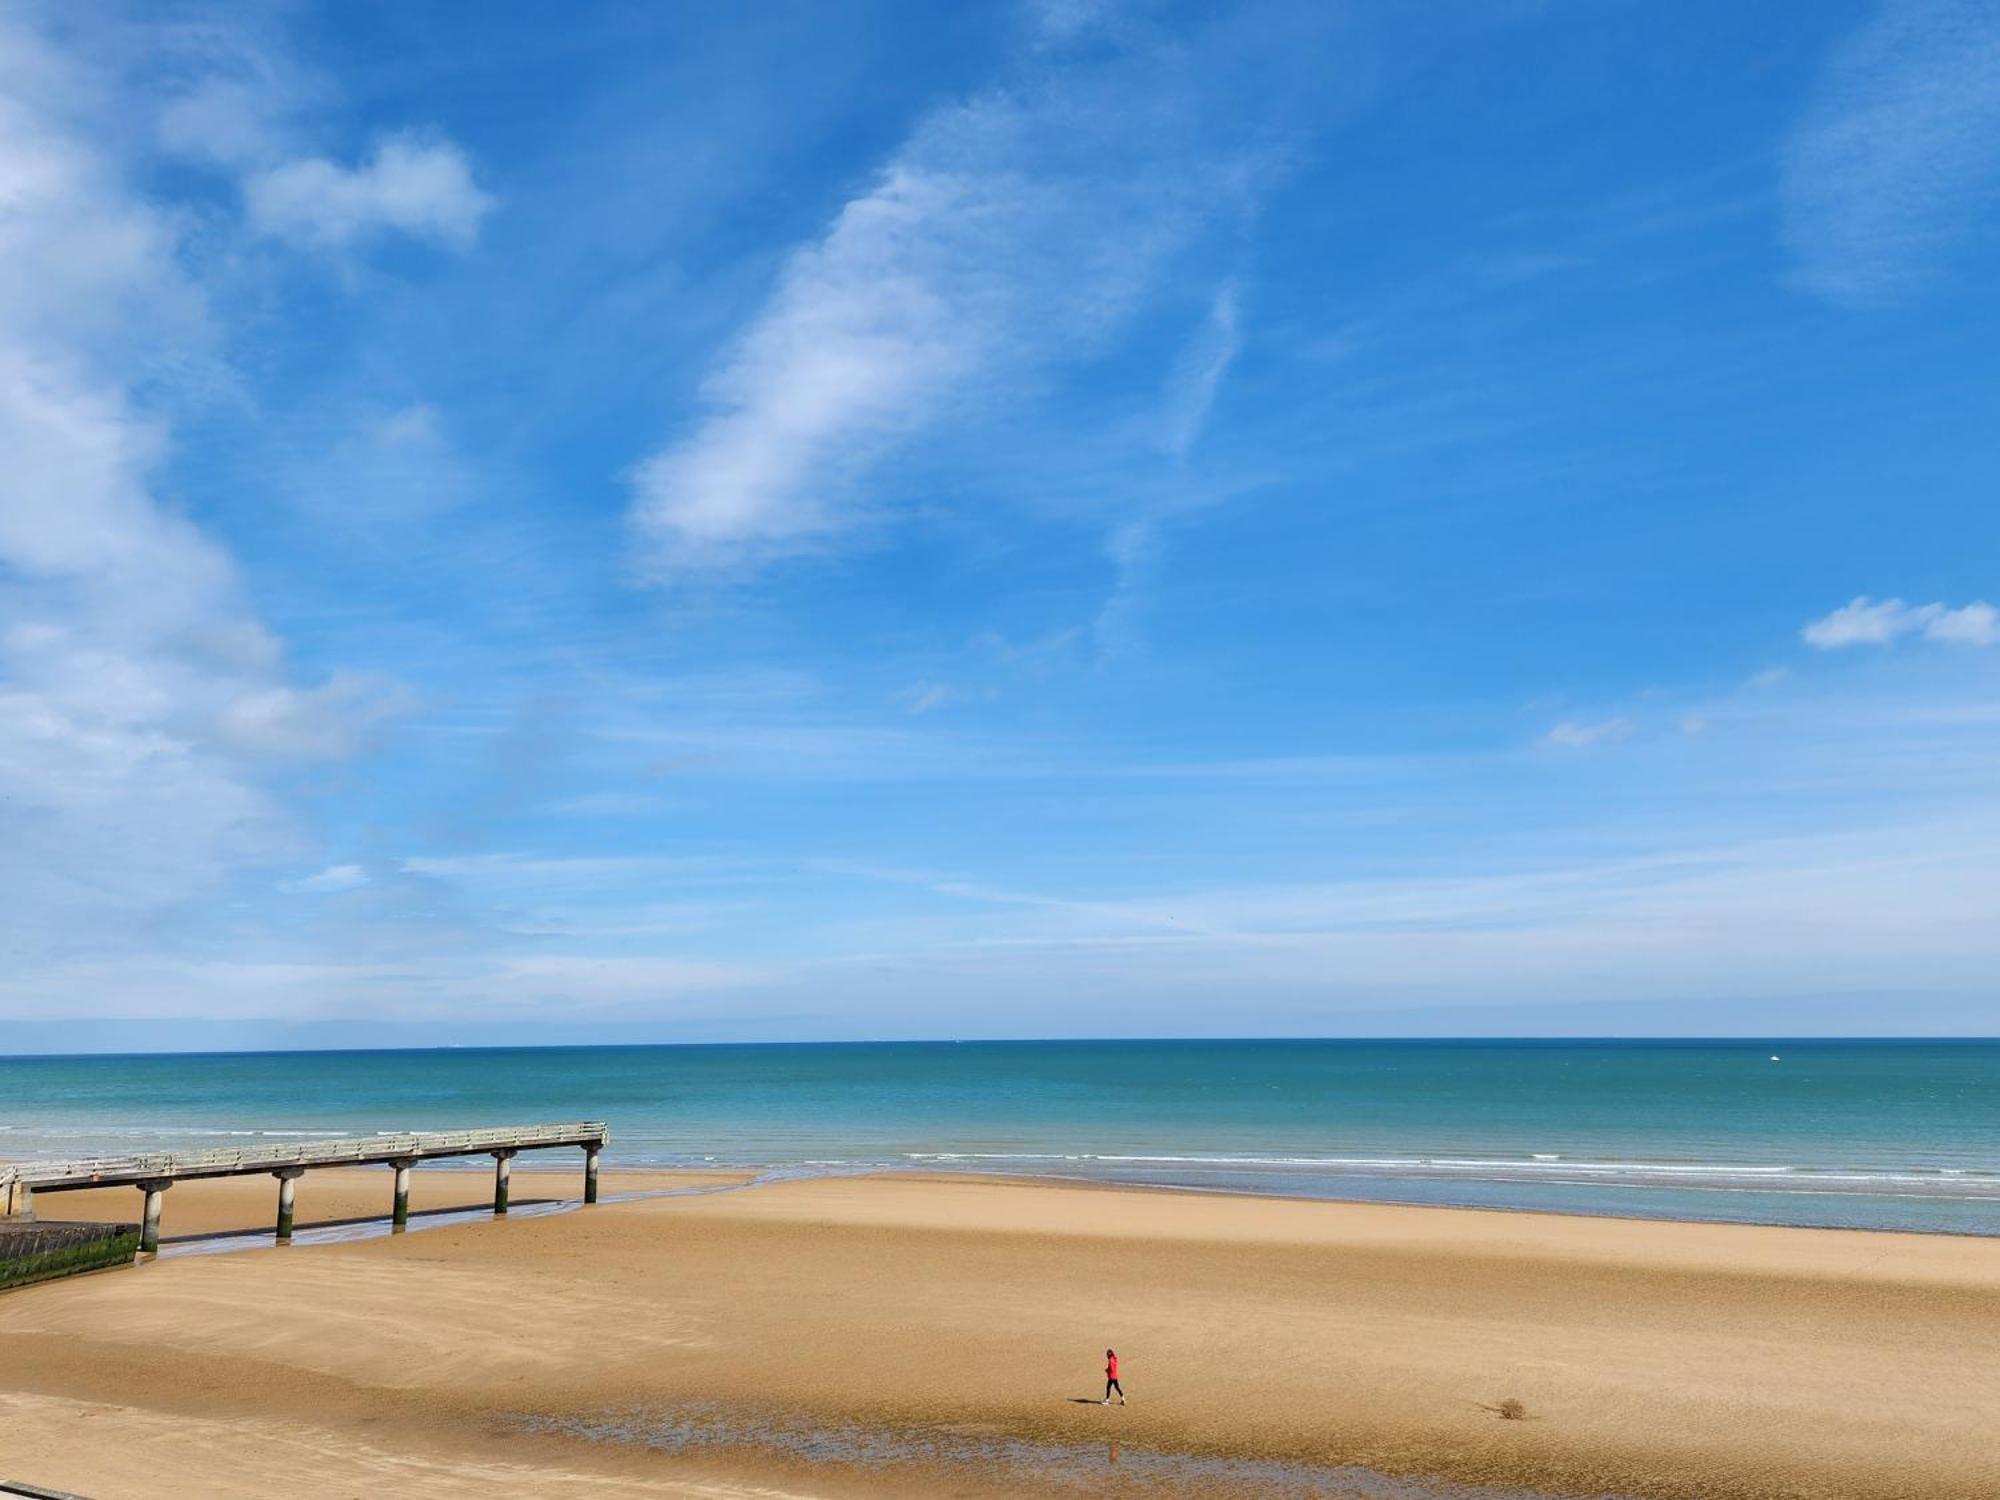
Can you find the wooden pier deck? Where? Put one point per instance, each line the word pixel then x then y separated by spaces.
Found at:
pixel 154 1172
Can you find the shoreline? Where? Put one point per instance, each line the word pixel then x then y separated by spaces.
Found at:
pixel 911 1332
pixel 523 1168
pixel 1845 1133
pixel 1252 1194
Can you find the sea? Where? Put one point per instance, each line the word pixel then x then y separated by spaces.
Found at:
pixel 1872 1134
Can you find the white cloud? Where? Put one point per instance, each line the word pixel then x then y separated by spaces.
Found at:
pixel 1061 21
pixel 414 185
pixel 138 690
pixel 926 697
pixel 228 120
pixel 1571 735
pixel 330 722
pixel 88 267
pixel 1870 622
pixel 330 881
pixel 231 94
pixel 1006 232
pixel 1897 157
pixel 1864 622
pixel 237 109
pixel 1975 624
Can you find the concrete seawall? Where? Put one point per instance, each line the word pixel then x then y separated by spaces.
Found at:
pixel 42 1252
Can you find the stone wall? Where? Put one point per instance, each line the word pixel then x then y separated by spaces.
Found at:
pixel 40 1252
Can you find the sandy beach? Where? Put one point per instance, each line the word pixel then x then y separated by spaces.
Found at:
pixel 936 1336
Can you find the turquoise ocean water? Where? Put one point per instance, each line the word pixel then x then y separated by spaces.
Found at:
pixel 1902 1135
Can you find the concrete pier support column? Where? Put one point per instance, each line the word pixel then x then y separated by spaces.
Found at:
pixel 20 1201
pixel 287 1182
pixel 401 1220
pixel 590 1174
pixel 503 1172
pixel 149 1226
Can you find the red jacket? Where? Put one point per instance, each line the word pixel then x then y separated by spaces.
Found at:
pixel 1111 1368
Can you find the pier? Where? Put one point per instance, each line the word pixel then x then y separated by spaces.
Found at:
pixel 153 1173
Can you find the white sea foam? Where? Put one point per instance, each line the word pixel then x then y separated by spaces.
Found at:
pixel 1541 1167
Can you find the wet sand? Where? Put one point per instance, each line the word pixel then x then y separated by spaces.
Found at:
pixel 931 1336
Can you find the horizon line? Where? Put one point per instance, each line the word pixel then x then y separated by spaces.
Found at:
pixel 1706 1039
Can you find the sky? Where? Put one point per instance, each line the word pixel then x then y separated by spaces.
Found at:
pixel 650 522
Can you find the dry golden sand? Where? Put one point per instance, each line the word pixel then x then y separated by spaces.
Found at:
pixel 1653 1359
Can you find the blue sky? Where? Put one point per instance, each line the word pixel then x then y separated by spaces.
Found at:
pixel 1079 518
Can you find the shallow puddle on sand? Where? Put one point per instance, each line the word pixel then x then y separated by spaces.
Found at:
pixel 997 1464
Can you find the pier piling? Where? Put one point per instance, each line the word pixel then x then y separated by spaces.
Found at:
pixel 155 1189
pixel 400 1220
pixel 503 1172
pixel 590 1174
pixel 288 1178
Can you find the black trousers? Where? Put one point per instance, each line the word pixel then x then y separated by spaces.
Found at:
pixel 1112 1385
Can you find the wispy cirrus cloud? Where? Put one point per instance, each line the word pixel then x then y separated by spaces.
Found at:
pixel 1896 159
pixel 391 469
pixel 531 987
pixel 1879 622
pixel 1133 545
pixel 1889 907
pixel 1011 229
pixel 928 697
pixel 1199 373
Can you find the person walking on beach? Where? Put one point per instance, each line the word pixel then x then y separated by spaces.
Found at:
pixel 1111 1378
